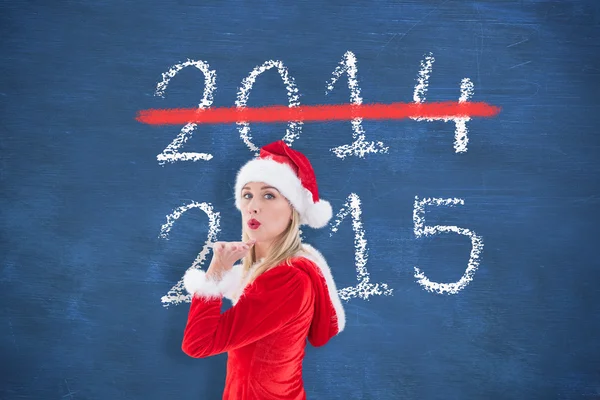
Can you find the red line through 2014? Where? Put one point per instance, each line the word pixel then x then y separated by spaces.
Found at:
pixel 446 110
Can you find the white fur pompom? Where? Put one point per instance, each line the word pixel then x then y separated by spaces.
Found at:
pixel 318 214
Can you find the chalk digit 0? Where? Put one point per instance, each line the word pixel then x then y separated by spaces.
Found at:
pixel 294 128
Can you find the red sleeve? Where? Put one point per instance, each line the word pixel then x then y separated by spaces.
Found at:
pixel 275 298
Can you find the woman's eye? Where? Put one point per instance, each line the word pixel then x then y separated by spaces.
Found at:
pixel 269 194
pixel 245 195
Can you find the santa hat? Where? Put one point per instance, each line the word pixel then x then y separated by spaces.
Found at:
pixel 292 174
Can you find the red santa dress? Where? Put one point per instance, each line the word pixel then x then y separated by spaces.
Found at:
pixel 264 333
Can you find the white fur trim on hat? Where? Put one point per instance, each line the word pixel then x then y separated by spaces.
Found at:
pixel 317 215
pixel 282 177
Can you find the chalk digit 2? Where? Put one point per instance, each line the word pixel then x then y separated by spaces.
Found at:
pixel 177 294
pixel 171 152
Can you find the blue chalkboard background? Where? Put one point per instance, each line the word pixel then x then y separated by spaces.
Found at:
pixel 83 196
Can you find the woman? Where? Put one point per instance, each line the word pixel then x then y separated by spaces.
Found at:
pixel 282 292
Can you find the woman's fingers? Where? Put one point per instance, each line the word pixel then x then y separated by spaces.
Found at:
pixel 242 245
pixel 233 250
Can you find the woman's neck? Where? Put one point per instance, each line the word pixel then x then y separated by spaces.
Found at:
pixel 261 249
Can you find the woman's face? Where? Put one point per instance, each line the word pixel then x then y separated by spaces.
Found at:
pixel 263 203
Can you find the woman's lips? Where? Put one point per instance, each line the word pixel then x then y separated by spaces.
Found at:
pixel 253 224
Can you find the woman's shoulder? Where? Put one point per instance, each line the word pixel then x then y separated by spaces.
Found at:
pixel 286 270
pixel 283 280
pixel 294 270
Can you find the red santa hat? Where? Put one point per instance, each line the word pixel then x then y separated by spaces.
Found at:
pixel 292 174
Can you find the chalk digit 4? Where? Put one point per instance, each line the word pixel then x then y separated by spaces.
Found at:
pixel 466 92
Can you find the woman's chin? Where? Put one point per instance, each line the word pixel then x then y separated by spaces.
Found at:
pixel 257 237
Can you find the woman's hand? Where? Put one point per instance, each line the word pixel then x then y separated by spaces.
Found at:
pixel 225 255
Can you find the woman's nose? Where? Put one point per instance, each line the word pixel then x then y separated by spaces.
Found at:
pixel 252 207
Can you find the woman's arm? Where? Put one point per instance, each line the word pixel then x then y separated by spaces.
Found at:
pixel 274 299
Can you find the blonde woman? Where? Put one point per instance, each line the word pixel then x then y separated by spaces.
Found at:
pixel 282 292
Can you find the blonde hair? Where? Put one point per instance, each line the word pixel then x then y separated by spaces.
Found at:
pixel 283 249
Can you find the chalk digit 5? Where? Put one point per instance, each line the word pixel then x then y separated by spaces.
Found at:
pixel 421 229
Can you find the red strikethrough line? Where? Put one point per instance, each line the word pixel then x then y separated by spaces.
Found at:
pixel 338 112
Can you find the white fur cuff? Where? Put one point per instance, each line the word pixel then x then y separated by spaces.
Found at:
pixel 230 282
pixel 196 283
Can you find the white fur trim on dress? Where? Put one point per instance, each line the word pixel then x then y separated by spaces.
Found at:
pixel 281 176
pixel 196 283
pixel 230 281
pixel 315 256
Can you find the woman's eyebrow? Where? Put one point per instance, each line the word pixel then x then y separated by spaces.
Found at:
pixel 262 188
